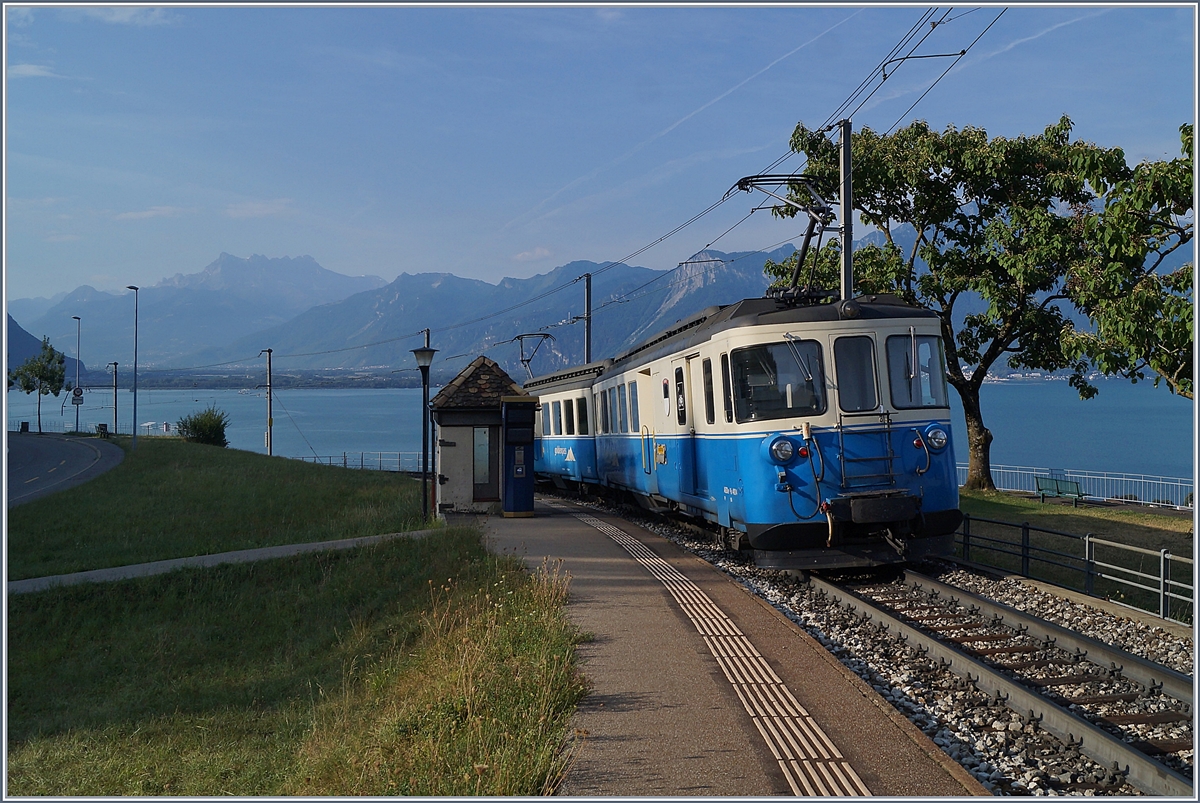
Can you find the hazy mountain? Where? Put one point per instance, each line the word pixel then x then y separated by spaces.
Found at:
pixel 28 309
pixel 374 329
pixel 230 298
pixel 21 346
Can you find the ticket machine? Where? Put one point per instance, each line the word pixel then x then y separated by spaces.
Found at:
pixel 518 417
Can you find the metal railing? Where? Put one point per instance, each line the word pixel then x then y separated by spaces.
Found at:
pixel 372 461
pixel 1146 579
pixel 63 427
pixel 1142 489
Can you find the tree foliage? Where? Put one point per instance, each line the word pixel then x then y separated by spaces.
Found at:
pixel 44 373
pixel 1143 317
pixel 1009 222
pixel 206 426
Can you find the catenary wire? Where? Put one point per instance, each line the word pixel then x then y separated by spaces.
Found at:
pixel 948 69
pixel 275 396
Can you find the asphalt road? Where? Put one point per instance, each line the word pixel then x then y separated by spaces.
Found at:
pixel 39 465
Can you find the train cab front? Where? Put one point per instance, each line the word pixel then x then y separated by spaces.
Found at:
pixel 880 494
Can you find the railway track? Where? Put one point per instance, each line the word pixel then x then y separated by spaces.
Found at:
pixel 1096 698
pixel 1009 741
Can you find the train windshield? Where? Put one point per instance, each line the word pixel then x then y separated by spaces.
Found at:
pixel 778 380
pixel 917 371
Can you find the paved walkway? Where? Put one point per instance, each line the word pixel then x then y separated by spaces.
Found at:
pixel 673 711
pixel 163 566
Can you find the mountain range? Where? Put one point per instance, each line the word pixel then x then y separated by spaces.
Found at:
pixel 230 298
pixel 315 319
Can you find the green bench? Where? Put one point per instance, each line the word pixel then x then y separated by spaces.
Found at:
pixel 1050 486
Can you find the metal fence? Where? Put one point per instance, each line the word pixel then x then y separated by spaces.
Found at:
pixel 63 427
pixel 374 461
pixel 1142 489
pixel 1146 579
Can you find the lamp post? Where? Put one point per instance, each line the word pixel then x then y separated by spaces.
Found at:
pixel 78 331
pixel 424 357
pixel 133 445
pixel 114 367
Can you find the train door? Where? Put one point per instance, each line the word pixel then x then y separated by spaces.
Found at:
pixel 683 425
pixel 700 408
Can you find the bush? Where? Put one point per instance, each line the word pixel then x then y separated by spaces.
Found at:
pixel 206 426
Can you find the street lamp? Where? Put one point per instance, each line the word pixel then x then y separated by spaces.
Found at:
pixel 424 357
pixel 133 445
pixel 78 330
pixel 114 367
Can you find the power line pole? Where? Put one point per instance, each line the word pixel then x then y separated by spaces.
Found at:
pixel 270 418
pixel 847 214
pixel 78 330
pixel 114 367
pixel 133 443
pixel 587 318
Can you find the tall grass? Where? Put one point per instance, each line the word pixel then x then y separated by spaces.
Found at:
pixel 173 499
pixel 424 666
pixel 484 715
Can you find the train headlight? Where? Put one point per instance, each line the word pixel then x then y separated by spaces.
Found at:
pixel 937 438
pixel 783 450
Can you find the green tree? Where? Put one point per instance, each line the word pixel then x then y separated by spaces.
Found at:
pixel 1143 317
pixel 43 373
pixel 1004 220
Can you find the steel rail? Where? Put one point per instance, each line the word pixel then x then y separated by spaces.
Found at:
pixel 1149 674
pixel 1140 770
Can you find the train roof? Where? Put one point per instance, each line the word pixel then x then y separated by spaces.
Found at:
pixel 702 326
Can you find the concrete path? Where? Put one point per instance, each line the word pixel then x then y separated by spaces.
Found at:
pixel 163 566
pixel 39 465
pixel 664 718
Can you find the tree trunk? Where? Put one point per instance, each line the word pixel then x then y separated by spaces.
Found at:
pixel 39 397
pixel 979 441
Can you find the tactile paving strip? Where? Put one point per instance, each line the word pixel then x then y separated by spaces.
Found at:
pixel 810 761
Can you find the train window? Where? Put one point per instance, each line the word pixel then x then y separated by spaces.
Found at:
pixel 778 380
pixel 556 417
pixel 603 421
pixel 680 398
pixel 916 370
pixel 667 399
pixel 634 417
pixel 569 416
pixel 855 362
pixel 624 407
pixel 728 398
pixel 709 414
pixel 583 418
pixel 612 410
pixel 545 419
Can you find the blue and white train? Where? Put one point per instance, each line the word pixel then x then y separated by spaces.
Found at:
pixel 817 436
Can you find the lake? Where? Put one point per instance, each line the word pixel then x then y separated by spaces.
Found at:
pixel 1137 429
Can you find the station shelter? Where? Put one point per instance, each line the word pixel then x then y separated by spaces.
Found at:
pixel 467 415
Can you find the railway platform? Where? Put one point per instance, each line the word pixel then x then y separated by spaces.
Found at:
pixel 701 688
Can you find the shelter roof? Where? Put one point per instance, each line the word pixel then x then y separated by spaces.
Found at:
pixel 481 385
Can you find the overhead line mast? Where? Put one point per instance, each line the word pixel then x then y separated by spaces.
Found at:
pixel 846 214
pixel 820 216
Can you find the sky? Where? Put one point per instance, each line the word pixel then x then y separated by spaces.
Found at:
pixel 141 142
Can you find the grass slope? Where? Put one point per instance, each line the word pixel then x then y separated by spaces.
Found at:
pixel 172 499
pixel 419 666
pixel 1132 525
